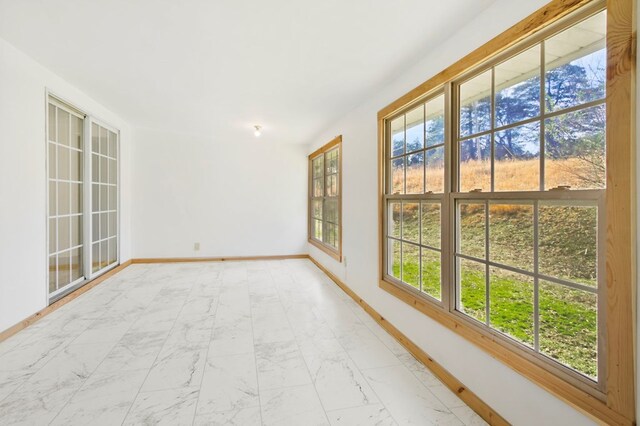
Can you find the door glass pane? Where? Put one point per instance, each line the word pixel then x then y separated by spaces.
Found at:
pixel 95 257
pixel 63 127
pixel 63 163
pixel 51 130
pixel 53 273
pixel 75 162
pixel 76 264
pixel 113 244
pixel 113 224
pixel 104 144
pixel 64 269
pixel 64 233
pixel 113 145
pixel 76 132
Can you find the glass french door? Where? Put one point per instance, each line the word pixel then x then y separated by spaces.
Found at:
pixel 82 198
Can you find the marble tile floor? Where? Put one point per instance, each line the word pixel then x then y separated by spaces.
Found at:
pixel 219 343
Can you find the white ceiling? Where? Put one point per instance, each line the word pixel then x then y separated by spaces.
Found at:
pixel 216 67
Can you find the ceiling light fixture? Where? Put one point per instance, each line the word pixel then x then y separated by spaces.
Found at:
pixel 258 131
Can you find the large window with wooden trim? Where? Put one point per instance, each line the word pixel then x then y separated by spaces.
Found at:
pixel 325 198
pixel 495 186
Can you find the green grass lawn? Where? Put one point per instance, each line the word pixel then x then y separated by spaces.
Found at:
pixel 567 317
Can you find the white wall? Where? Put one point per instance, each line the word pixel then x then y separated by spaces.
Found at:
pixel 516 398
pixel 23 251
pixel 236 198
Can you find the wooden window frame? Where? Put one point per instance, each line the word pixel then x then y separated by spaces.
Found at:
pixel 615 403
pixel 335 143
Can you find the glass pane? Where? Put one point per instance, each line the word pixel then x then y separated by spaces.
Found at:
pixel 52 123
pixel 104 143
pixel 113 171
pixel 575 149
pixel 397 176
pixel 568 242
pixel 75 161
pixel 471 229
pixel 53 198
pixel 76 231
pixel 95 227
pixel 415 129
pixel 95 141
pixel 331 159
pixel 431 273
pixel 317 229
pixel 64 198
pixel 53 165
pixel 331 234
pixel 104 225
pixel 332 185
pixel 53 228
pixel 431 224
pixel 104 197
pixel 435 170
pixel 64 233
pixel 104 170
pixel 397 136
pixel 331 211
pixel 475 164
pixel 473 289
pixel 95 168
pixel 52 273
pixel 576 64
pixel 415 173
pixel 64 269
pixel 318 166
pixel 435 121
pixel 113 200
pixel 76 264
pixel 393 253
pixel 113 248
pixel 95 197
pixel 318 187
pixel 394 222
pixel 95 257
pixel 511 304
pixel 76 132
pixel 63 163
pixel 104 254
pixel 475 105
pixel 113 224
pixel 316 209
pixel 411 265
pixel 411 222
pixel 511 235
pixel 113 145
pixel 517 87
pixel 517 158
pixel 569 327
pixel 63 127
pixel 76 197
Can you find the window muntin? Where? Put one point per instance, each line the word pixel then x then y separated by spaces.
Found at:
pixel 524 125
pixel 325 199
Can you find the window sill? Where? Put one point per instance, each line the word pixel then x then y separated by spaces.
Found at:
pixel 335 254
pixel 578 394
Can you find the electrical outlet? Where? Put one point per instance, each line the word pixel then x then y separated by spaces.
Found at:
pixel 196 246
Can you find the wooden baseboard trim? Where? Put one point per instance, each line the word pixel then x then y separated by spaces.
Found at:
pixel 4 335
pixel 217 259
pixel 471 399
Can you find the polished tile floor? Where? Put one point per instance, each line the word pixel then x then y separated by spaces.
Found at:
pixel 232 343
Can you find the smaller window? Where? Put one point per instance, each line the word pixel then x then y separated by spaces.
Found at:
pixel 325 198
